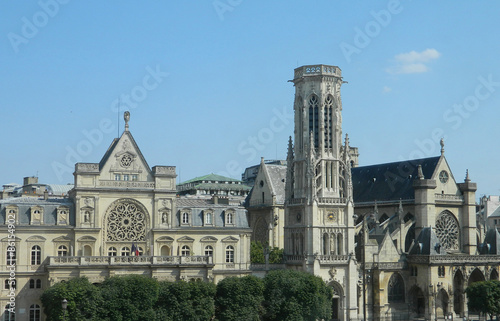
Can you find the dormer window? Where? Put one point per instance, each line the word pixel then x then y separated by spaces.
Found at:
pixel 229 218
pixel 185 218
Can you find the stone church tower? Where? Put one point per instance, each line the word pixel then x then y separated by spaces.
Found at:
pixel 319 225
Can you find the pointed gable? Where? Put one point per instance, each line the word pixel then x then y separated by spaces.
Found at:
pixel 388 251
pixel 269 183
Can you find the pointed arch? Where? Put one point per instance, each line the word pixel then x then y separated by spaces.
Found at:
pixel 494 274
pixel 337 300
pixel 417 301
pixel 313 104
pixel 442 303
pixel 396 289
pixel 458 290
pixel 476 276
pixel 448 231
pixel 260 232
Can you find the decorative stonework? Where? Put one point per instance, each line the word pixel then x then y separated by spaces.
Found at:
pixel 447 230
pixel 126 221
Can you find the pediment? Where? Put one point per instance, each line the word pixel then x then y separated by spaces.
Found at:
pixel 16 239
pixel 61 239
pixel 35 238
pixel 185 239
pixel 209 239
pixel 87 239
pixel 230 239
pixel 164 239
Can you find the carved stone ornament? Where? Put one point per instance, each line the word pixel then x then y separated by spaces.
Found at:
pixel 88 201
pixel 126 221
pixel 332 272
pixel 447 231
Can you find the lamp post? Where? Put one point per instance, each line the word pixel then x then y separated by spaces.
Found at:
pixel 64 304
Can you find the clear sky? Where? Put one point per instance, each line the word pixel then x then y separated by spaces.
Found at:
pixel 206 82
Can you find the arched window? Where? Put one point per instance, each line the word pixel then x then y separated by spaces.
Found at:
pixel 396 289
pixel 8 315
pixel 229 254
pixel 328 121
pixel 314 119
pixel 62 250
pixel 208 218
pixel 185 218
pixel 229 218
pixel 36 255
pixel 32 283
pixel 11 255
pixel 35 312
pixel 112 251
pixel 209 250
pixel 125 251
pixel 185 251
pixel 340 250
pixel 326 243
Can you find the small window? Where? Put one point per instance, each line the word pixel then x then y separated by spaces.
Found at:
pixel 209 250
pixel 185 251
pixel 125 251
pixel 185 218
pixel 141 251
pixel 125 177
pixel 134 177
pixel 36 255
pixel 229 254
pixel 208 218
pixel 441 271
pixel 229 219
pixel 62 251
pixel 38 284
pixel 112 251
pixel 10 283
pixel 35 312
pixel 117 177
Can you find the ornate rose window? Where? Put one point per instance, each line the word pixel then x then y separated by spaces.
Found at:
pixel 448 231
pixel 126 221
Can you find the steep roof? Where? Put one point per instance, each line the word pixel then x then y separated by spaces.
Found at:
pixel 390 181
pixel 276 176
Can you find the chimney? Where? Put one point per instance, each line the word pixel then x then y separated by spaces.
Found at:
pixel 46 194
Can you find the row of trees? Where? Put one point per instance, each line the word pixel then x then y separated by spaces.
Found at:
pixel 281 295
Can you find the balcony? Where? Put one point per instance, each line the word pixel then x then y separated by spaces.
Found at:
pixel 333 259
pixel 68 261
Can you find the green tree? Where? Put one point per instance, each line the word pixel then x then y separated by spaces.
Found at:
pixel 295 296
pixel 257 252
pixel 276 255
pixel 239 299
pixel 129 298
pixel 182 300
pixel 484 297
pixel 84 300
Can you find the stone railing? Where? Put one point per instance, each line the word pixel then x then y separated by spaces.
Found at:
pixel 453 259
pixel 316 70
pixel 294 258
pixel 326 259
pixel 331 200
pixel 128 260
pixel 297 201
pixel 449 198
pixel 86 168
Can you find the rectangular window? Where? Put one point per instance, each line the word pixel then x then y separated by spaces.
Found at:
pixel 134 177
pixel 117 177
pixel 125 177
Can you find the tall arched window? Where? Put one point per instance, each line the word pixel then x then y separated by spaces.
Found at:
pixel 229 218
pixel 35 312
pixel 185 218
pixel 326 244
pixel 8 315
pixel 87 250
pixel 165 250
pixel 185 251
pixel 396 289
pixel 340 249
pixel 62 250
pixel 208 218
pixel 112 251
pixel 229 254
pixel 314 119
pixel 36 255
pixel 328 121
pixel 448 231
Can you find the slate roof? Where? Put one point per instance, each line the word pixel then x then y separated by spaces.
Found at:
pixel 50 206
pixel 197 205
pixel 496 213
pixel 427 243
pixel 277 175
pixel 390 181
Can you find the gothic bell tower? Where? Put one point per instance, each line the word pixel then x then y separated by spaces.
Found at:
pixel 319 224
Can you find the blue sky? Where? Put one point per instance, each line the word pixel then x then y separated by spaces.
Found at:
pixel 206 82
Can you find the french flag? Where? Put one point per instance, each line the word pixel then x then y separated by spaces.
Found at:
pixel 135 250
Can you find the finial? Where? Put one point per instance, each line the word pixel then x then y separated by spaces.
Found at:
pixel 346 141
pixel 420 172
pixel 126 117
pixel 262 160
pixel 467 178
pixel 400 209
pixel 442 146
